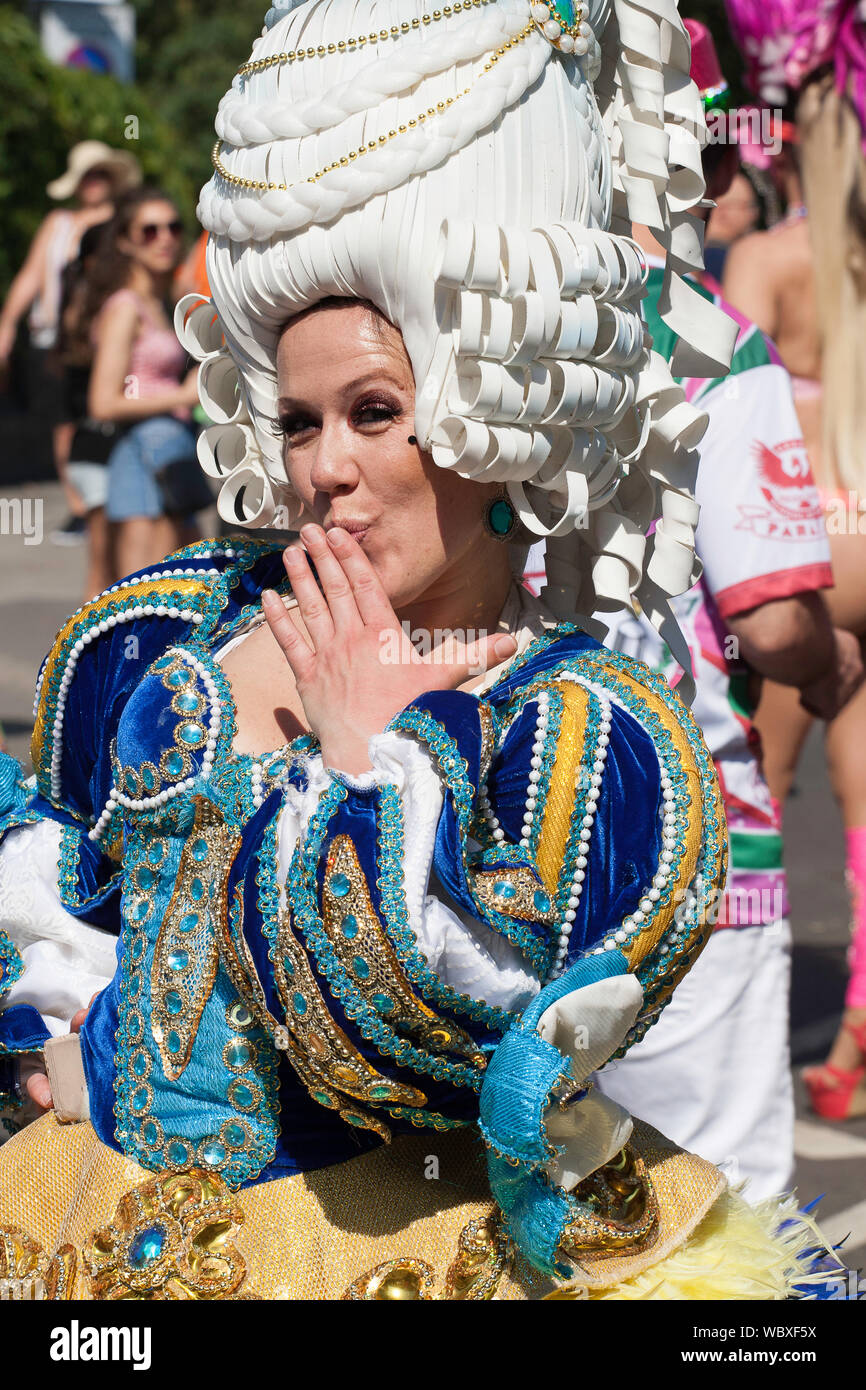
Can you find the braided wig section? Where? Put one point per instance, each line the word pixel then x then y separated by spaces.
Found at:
pixel 482 233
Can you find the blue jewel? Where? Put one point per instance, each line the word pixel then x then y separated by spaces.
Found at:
pixel 130 782
pixel 289 968
pixel 178 960
pixel 504 890
pixel 173 1003
pixel 241 1095
pixel 148 779
pixel 146 878
pixel 139 1064
pixel 172 1042
pixel 196 890
pixel 178 1153
pixel 175 764
pixel 189 922
pixel 188 702
pixel 140 911
pixel 349 926
pixel 150 1133
pixel 276 769
pixel 140 1098
pixel 199 851
pixel 361 968
pixel 156 852
pixel 238 1054
pixel 178 678
pixel 192 734
pixel 146 1247
pixel 235 1135
pixel 300 1004
pixel 214 1153
pixel 383 1003
pixel 162 663
pixel 541 901
pixel 340 885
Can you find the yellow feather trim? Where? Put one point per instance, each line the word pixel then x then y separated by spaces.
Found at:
pixel 737 1252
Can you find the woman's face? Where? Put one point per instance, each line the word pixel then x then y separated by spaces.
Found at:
pixel 346 414
pixel 735 213
pixel 154 237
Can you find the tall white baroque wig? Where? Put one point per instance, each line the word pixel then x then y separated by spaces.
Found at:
pixel 463 174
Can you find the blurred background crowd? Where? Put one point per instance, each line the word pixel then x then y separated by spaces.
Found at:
pixel 105 138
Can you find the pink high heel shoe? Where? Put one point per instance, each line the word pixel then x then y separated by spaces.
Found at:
pixel 835 1094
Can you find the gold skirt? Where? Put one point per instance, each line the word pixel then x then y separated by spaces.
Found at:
pixel 411 1220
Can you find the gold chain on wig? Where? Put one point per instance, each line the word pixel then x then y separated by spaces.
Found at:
pixel 259 186
pixel 349 45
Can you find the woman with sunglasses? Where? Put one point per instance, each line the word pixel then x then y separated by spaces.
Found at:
pixel 139 382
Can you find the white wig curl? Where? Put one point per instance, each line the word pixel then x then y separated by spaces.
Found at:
pixel 490 226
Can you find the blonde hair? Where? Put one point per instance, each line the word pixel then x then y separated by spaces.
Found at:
pixel 833 170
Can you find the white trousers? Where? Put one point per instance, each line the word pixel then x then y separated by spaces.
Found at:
pixel 714 1073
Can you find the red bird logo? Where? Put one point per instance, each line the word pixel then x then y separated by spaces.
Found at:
pixel 788 478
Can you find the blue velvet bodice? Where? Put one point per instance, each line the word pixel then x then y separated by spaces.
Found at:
pixel 264 1028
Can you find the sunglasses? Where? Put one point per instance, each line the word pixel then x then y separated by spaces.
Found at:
pixel 151 230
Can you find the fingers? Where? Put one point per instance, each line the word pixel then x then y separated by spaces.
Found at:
pixel 293 646
pixel 311 601
pixel 333 579
pixel 370 598
pixel 456 661
pixel 77 1019
pixel 39 1090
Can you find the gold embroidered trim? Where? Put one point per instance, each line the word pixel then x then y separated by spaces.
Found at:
pixel 618 1208
pixel 29 1273
pixel 170 1238
pixel 560 803
pixel 186 954
pixel 483 1256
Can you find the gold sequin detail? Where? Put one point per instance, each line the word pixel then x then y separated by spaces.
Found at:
pixel 483 1256
pixel 190 930
pixel 170 1238
pixel 526 892
pixel 617 1208
pixel 365 951
pixel 328 1063
pixel 31 1274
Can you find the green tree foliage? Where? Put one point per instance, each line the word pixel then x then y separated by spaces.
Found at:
pixel 47 109
pixel 186 56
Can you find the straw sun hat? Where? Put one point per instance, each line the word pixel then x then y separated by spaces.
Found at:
pixel 88 156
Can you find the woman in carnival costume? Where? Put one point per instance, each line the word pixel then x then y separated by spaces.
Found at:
pixel 817 53
pixel 442 901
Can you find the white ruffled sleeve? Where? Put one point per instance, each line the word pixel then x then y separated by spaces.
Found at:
pixel 66 961
pixel 464 953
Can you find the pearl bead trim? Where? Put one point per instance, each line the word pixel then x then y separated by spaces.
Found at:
pixel 117 798
pixel 593 794
pixel 632 924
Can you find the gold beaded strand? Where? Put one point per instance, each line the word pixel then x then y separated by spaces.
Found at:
pixel 351 45
pixel 259 186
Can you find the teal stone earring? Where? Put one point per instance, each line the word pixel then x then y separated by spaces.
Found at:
pixel 500 518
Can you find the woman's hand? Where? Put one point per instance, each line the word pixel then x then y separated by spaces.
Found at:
pixel 358 667
pixel 32 1069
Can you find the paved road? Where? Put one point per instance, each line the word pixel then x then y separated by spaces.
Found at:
pixel 39 586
